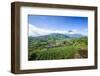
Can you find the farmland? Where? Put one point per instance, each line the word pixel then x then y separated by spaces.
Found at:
pixel 57 46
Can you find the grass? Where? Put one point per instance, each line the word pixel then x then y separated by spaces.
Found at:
pixel 62 49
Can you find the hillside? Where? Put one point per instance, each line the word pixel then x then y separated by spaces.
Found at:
pixel 57 46
pixel 55 36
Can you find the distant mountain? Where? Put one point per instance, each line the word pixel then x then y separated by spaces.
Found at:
pixel 74 35
pixel 56 36
pixel 53 36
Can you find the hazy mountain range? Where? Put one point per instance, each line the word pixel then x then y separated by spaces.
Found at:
pixel 55 36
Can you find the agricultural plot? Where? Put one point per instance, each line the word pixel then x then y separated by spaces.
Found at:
pixel 57 46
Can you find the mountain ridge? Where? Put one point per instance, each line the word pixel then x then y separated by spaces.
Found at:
pixel 56 36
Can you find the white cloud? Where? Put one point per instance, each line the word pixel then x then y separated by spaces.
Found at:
pixel 72 31
pixel 35 31
pixel 85 32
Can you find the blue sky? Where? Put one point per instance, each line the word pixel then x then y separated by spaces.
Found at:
pixel 61 23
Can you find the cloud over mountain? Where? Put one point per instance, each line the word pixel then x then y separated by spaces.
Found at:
pixel 36 31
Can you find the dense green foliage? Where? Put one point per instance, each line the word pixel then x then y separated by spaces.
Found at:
pixel 57 46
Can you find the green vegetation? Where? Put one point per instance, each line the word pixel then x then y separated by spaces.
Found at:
pixel 57 46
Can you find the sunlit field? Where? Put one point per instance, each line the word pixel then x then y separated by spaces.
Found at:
pixel 54 48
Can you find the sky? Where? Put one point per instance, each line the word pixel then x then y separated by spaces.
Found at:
pixel 43 25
